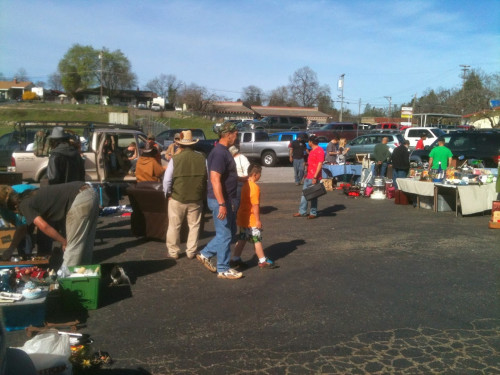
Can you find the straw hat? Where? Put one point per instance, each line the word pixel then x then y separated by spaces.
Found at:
pixel 186 138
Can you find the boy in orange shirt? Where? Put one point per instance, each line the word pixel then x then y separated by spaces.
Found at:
pixel 248 221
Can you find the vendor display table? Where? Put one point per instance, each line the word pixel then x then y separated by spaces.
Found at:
pixel 419 188
pixel 471 198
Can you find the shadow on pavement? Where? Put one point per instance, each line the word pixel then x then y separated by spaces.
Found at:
pixel 139 371
pixel 267 209
pixel 282 249
pixel 99 256
pixel 331 211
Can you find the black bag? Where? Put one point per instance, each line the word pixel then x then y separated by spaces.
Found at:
pixel 314 191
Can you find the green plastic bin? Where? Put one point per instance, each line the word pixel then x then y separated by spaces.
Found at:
pixel 81 291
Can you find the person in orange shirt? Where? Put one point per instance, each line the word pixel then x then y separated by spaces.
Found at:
pixel 248 220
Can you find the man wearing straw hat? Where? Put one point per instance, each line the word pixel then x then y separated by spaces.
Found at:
pixel 185 184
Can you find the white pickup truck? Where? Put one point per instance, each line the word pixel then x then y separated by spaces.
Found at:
pixel 33 164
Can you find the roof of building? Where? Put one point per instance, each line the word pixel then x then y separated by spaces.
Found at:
pixel 230 107
pixel 14 84
pixel 288 111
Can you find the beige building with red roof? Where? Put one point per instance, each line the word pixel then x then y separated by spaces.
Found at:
pixel 12 90
pixel 238 110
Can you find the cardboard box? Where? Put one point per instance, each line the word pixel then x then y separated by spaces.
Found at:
pixel 6 237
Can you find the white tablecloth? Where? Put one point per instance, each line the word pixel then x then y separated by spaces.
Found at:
pixel 412 186
pixel 473 198
pixel 476 198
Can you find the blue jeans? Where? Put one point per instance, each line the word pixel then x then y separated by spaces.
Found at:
pixel 398 173
pixel 220 245
pixel 298 170
pixel 381 169
pixel 303 201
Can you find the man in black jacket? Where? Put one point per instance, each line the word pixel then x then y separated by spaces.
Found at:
pixel 65 161
pixel 400 162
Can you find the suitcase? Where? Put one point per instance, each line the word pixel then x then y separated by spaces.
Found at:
pixel 314 191
pixel 400 197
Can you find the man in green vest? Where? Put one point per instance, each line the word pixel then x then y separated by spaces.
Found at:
pixel 185 185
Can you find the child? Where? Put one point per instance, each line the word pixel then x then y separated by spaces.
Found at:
pixel 248 221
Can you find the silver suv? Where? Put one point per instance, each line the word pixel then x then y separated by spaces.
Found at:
pixel 365 144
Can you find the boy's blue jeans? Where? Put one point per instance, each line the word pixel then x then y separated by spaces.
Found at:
pixel 220 245
pixel 303 201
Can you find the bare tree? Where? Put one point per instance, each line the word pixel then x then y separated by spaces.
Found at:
pixel 21 75
pixel 198 98
pixel 280 97
pixel 304 87
pixel 166 86
pixel 252 95
pixel 55 82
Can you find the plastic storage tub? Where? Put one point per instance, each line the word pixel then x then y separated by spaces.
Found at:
pixel 81 291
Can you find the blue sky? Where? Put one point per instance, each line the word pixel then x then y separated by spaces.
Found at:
pixel 384 48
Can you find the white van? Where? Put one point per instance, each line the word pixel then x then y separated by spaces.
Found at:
pixel 413 135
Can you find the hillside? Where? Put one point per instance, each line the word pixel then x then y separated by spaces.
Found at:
pixel 10 113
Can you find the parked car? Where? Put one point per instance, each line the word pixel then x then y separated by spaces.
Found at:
pixel 33 164
pixel 156 107
pixel 142 105
pixel 13 141
pixel 282 123
pixel 347 130
pixel 466 145
pixel 413 134
pixel 256 145
pixel 365 144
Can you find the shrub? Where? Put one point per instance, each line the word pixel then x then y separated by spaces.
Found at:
pixel 29 95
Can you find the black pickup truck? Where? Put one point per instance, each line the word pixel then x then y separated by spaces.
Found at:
pixel 465 145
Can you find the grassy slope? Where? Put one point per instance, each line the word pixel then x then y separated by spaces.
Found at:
pixel 12 112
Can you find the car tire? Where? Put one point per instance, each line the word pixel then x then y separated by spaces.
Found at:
pixel 269 159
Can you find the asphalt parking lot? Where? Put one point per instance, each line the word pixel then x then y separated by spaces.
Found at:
pixel 367 287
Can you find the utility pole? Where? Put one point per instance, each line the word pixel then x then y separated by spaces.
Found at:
pixel 341 88
pixel 465 69
pixel 390 105
pixel 359 109
pixel 100 58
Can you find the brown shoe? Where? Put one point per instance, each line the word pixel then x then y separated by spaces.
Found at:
pixel 299 215
pixel 312 217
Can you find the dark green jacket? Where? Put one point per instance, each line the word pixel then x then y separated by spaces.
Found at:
pixel 381 152
pixel 189 180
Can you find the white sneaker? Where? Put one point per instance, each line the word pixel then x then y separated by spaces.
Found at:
pixel 230 274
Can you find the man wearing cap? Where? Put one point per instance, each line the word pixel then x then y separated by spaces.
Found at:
pixel 400 162
pixel 147 167
pixel 185 184
pixel 65 162
pixel 440 154
pixel 221 194
pixel 173 148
